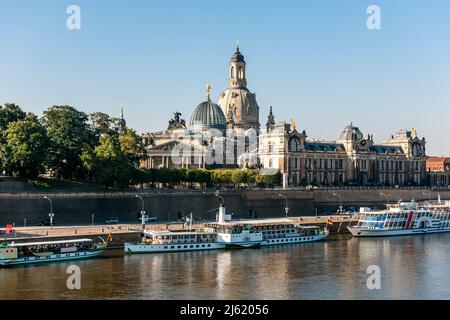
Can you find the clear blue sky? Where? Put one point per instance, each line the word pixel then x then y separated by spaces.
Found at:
pixel 312 60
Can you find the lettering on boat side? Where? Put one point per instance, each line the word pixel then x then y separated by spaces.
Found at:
pixel 374 280
pixel 74 280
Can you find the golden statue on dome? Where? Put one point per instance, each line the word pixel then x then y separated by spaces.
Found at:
pixel 208 91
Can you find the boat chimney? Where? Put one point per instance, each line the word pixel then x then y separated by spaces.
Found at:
pixel 222 213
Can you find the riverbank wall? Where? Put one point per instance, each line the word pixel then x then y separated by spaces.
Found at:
pixel 26 208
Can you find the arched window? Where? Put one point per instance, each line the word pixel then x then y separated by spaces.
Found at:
pixel 240 73
pixel 294 145
pixel 233 72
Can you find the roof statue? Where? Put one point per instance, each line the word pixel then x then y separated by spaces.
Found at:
pixel 208 91
pixel 293 125
pixel 176 122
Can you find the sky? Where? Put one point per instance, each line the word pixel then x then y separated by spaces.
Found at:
pixel 313 60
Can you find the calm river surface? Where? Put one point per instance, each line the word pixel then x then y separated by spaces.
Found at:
pixel 411 267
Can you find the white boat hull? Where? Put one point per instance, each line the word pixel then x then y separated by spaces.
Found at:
pixel 50 258
pixel 136 248
pixel 361 232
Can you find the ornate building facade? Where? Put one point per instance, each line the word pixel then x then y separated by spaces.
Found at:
pixel 350 160
pixel 353 159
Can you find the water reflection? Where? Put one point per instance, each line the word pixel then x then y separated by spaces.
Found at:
pixel 411 267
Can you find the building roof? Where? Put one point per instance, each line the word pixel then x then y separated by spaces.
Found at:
pixel 324 146
pixel 352 133
pixel 237 56
pixel 438 159
pixel 386 149
pixel 208 115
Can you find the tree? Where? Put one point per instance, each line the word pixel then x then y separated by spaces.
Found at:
pixel 109 165
pixel 269 178
pixel 131 146
pixel 69 135
pixel 25 147
pixel 100 123
pixel 10 113
pixel 238 177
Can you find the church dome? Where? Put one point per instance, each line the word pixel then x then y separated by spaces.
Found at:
pixel 351 133
pixel 208 115
pixel 237 56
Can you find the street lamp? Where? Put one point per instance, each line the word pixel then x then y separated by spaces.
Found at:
pixel 286 207
pixel 51 214
pixel 142 213
pixel 341 207
pixel 222 201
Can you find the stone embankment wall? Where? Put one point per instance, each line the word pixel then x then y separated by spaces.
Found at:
pixel 78 207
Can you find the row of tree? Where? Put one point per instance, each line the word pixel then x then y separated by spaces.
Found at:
pixel 69 144
pixel 182 176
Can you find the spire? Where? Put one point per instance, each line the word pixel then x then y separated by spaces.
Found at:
pixel 237 45
pixel 122 122
pixel 270 121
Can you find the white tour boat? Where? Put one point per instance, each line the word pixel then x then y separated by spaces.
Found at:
pixel 168 241
pixel 48 251
pixel 228 234
pixel 404 218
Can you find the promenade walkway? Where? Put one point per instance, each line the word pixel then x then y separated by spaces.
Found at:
pixel 339 221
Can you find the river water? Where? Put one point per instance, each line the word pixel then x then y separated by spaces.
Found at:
pixel 412 267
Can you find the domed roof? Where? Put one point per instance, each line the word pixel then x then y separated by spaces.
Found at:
pixel 351 132
pixel 237 56
pixel 208 115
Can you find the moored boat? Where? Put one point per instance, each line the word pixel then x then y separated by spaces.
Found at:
pixel 404 218
pixel 167 241
pixel 226 233
pixel 48 251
